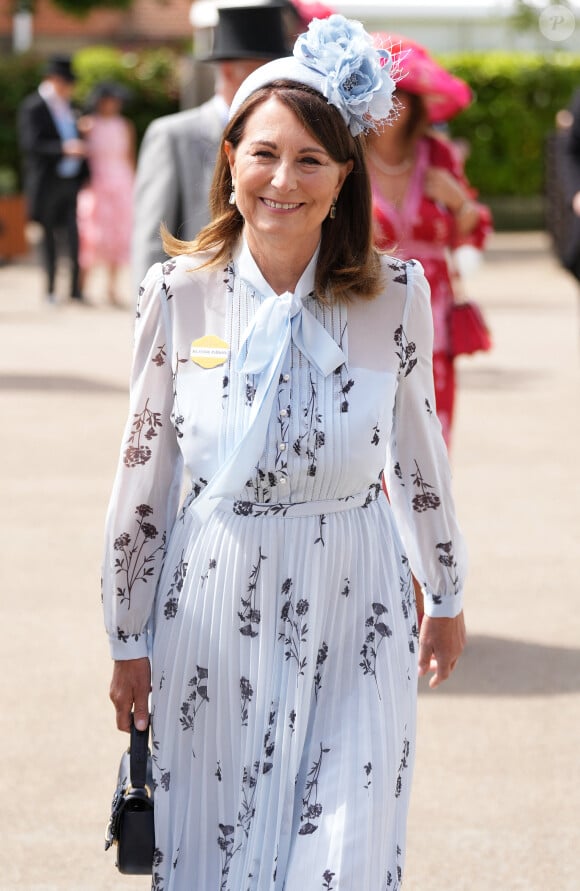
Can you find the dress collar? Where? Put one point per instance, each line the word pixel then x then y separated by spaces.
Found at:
pixel 248 270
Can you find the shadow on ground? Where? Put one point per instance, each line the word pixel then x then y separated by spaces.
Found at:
pixel 497 378
pixel 62 383
pixel 496 666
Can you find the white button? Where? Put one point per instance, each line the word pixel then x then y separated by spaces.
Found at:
pixel 282 446
pixel 283 413
pixel 286 378
pixel 282 479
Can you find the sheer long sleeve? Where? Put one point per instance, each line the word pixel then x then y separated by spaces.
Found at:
pixel 417 469
pixel 147 484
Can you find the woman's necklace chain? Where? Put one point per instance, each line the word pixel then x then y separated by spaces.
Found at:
pixel 388 169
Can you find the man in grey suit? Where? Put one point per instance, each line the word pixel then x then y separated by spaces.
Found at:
pixel 178 153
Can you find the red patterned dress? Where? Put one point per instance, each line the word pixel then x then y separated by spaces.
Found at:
pixel 426 230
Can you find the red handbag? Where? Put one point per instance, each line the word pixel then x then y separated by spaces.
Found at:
pixel 468 331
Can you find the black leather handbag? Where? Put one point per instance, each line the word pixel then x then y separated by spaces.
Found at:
pixel 131 826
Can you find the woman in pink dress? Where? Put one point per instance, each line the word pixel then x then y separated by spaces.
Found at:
pixel 105 207
pixel 423 205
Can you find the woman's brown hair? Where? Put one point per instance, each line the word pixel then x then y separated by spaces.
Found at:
pixel 418 119
pixel 348 264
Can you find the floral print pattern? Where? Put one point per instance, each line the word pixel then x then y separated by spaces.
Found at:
pixel 196 699
pixel 295 627
pixel 427 499
pixel 249 614
pixel 311 806
pixel 135 557
pixel 145 426
pixel 378 632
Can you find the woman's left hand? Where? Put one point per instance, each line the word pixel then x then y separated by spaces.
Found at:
pixel 442 187
pixel 441 642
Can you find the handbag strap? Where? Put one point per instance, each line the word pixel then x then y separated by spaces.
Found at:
pixel 138 752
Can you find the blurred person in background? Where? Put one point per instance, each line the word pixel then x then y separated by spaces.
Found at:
pixel 424 206
pixel 299 14
pixel 178 153
pixel 570 127
pixel 105 205
pixel 563 186
pixel 54 168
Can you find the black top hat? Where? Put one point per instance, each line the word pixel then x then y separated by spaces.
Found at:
pixel 62 67
pixel 248 32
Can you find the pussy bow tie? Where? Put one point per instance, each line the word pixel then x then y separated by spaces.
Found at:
pixel 279 321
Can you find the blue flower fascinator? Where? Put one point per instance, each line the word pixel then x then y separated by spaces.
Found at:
pixel 336 57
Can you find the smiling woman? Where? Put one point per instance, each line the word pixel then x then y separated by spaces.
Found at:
pixel 285 185
pixel 277 601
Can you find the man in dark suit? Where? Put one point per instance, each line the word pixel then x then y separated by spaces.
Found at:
pixel 178 153
pixel 54 166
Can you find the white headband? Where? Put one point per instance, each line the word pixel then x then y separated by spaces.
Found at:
pixel 335 57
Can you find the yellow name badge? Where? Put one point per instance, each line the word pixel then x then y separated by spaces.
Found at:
pixel 209 351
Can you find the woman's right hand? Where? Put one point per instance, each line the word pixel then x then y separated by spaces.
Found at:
pixel 129 691
pixel 441 642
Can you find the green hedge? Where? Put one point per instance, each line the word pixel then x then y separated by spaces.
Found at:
pixel 150 75
pixel 516 97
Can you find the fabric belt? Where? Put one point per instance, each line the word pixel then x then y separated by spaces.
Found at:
pixel 291 510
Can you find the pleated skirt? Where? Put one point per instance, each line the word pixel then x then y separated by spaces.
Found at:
pixel 283 702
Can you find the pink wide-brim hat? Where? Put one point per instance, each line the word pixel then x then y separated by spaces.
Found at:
pixel 417 72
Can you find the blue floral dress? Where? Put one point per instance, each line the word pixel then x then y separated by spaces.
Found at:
pixel 275 597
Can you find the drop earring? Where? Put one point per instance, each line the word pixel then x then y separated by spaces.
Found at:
pixel 232 198
pixel 332 211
